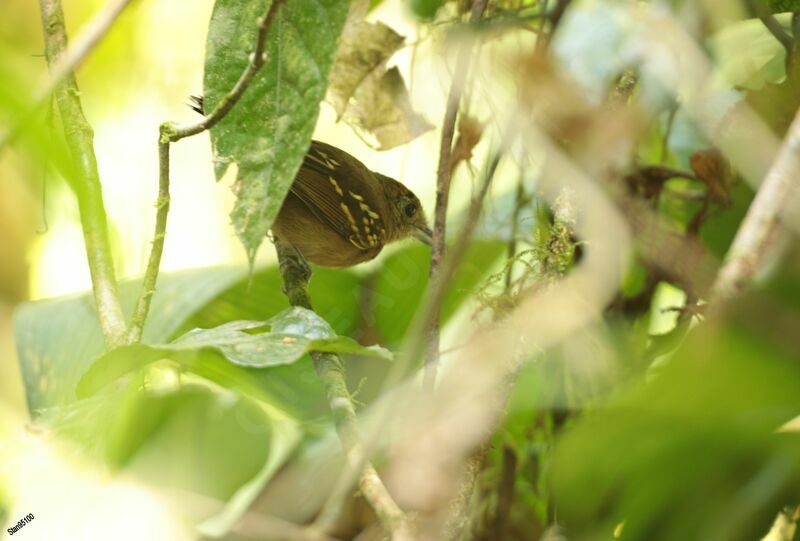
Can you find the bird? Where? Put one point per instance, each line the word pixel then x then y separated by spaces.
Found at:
pixel 339 213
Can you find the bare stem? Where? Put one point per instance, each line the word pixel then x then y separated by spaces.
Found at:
pixel 157 247
pixel 257 60
pixel 444 175
pixel 171 133
pixel 86 182
pixel 762 225
pixel 436 291
pixel 330 370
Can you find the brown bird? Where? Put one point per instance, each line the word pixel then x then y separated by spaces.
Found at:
pixel 338 213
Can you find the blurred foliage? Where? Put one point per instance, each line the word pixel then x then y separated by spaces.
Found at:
pixel 692 453
pixel 132 422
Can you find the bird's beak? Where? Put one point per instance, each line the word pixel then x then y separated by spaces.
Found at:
pixel 423 234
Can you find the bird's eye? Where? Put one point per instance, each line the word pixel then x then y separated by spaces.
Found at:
pixel 410 209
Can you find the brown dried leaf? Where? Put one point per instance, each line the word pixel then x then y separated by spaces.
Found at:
pixel 469 135
pixel 372 100
pixel 381 113
pixel 364 49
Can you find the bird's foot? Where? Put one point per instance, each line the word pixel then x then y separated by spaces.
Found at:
pixel 290 260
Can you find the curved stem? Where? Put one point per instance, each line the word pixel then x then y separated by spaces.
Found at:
pixel 257 60
pixel 170 133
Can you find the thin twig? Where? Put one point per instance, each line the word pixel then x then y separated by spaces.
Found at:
pixel 171 133
pixel 761 226
pixel 86 184
pixel 430 312
pixel 444 175
pixel 74 55
pixel 331 372
pixel 257 60
pixel 157 247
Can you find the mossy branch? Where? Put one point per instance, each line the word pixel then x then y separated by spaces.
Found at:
pixel 86 181
pixel 331 372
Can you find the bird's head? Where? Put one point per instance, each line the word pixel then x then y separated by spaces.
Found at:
pixel 407 216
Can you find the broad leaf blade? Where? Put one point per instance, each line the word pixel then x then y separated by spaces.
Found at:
pixel 281 340
pixel 58 338
pixel 268 132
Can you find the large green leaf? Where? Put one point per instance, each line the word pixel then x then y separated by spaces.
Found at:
pixel 280 340
pixel 268 132
pixel 335 293
pixel 57 339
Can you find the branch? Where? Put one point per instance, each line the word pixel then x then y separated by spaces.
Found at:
pixel 444 175
pixel 761 226
pixel 257 60
pixel 157 248
pixel 331 372
pixel 86 184
pixel 171 133
pixel 84 44
pixel 436 291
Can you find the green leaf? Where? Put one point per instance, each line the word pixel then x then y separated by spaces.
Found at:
pixel 268 132
pixel 283 339
pixel 58 338
pixel 335 293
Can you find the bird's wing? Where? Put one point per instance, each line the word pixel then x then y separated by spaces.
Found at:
pixel 330 200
